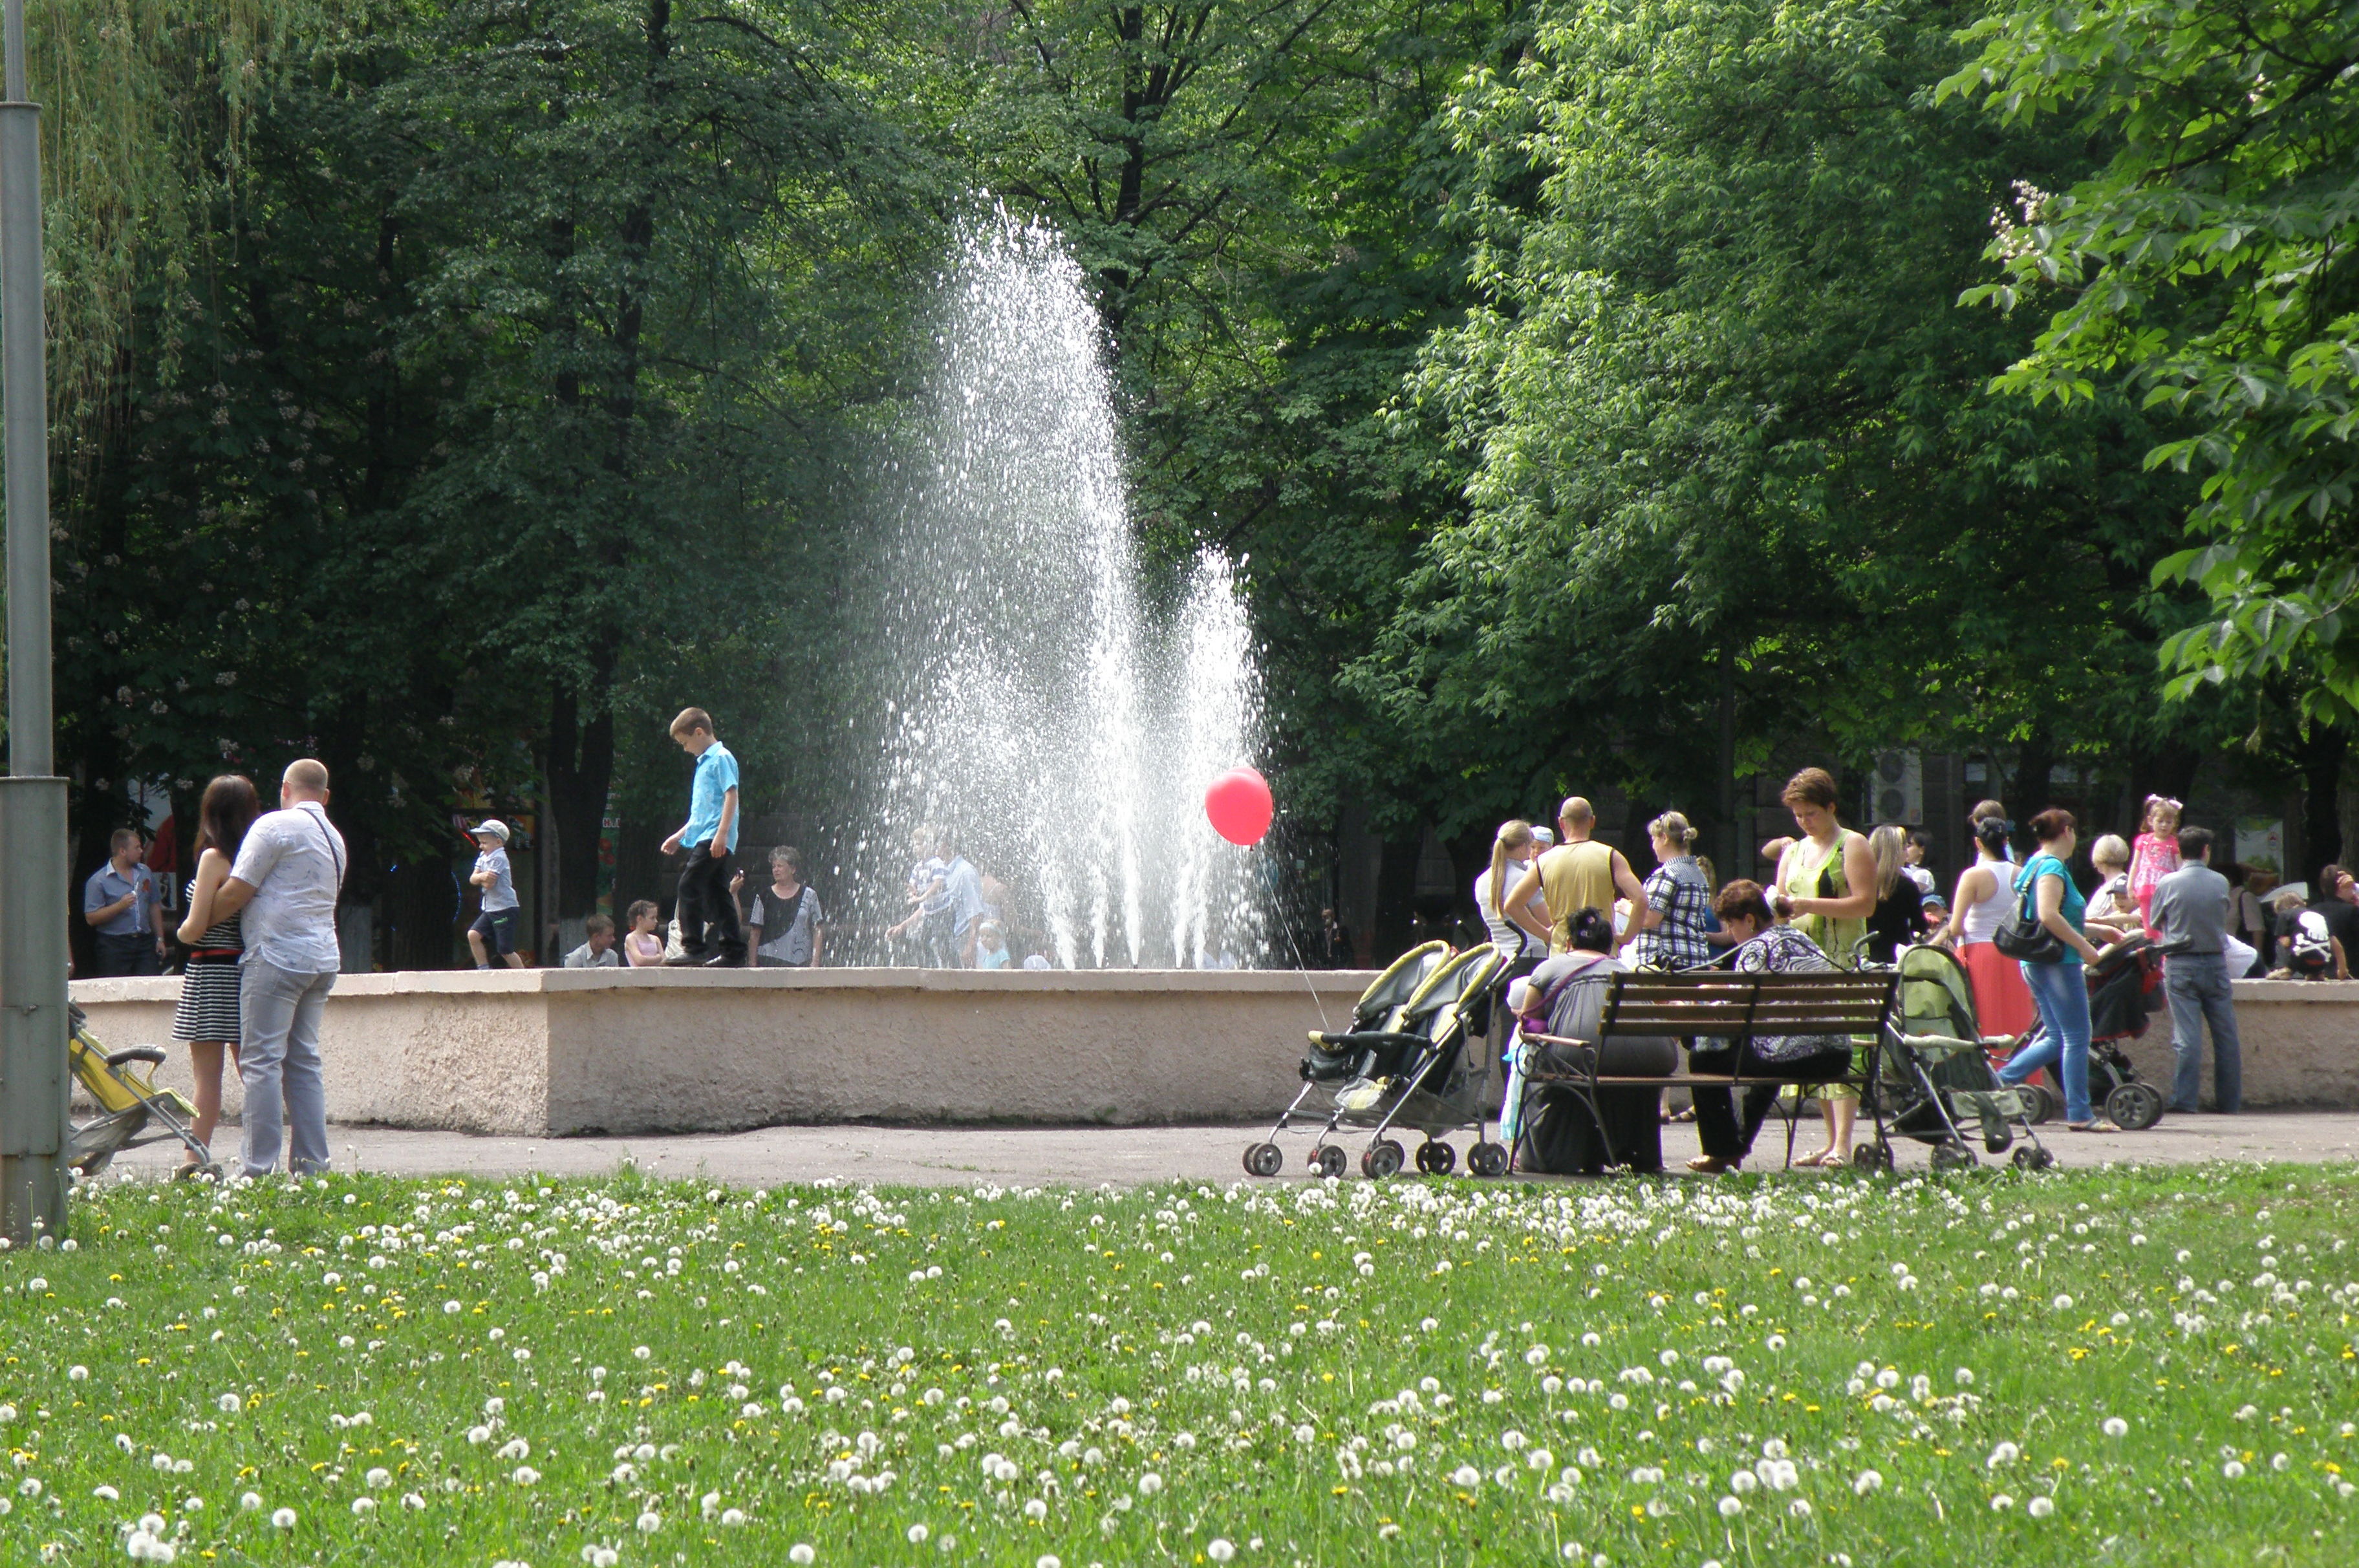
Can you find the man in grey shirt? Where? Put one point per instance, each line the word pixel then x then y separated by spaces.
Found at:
pixel 2190 912
pixel 286 878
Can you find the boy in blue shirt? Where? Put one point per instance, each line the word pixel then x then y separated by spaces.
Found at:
pixel 495 929
pixel 710 835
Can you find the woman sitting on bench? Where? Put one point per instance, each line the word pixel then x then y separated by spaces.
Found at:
pixel 1762 947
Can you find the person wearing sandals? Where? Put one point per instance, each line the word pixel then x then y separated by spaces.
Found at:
pixel 207 1019
pixel 2058 989
pixel 1826 887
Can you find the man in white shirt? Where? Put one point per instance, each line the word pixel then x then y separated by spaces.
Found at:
pixel 286 878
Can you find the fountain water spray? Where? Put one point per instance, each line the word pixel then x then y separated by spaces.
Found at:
pixel 1042 698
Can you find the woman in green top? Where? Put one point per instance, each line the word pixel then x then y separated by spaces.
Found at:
pixel 1826 889
pixel 2058 989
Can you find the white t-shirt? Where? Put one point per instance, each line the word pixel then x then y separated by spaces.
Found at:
pixel 294 860
pixel 1511 939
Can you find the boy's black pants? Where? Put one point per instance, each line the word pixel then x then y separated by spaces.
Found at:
pixel 705 900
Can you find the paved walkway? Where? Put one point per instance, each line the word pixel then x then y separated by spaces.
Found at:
pixel 1086 1155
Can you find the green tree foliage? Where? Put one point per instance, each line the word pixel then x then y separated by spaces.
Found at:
pixel 2209 263
pixel 1719 405
pixel 490 414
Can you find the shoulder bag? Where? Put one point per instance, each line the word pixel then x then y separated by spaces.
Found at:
pixel 2024 937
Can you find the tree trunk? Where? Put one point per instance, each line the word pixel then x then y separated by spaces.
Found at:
pixel 580 767
pixel 2322 751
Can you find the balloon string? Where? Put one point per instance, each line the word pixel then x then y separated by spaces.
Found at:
pixel 1302 968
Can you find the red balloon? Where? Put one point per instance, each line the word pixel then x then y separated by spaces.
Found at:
pixel 1239 805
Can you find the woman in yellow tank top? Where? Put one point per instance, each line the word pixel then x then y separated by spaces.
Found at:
pixel 1826 890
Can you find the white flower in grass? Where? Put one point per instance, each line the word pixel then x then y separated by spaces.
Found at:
pixel 363 1506
pixel 2040 1508
pixel 918 1534
pixel 250 1501
pixel 1466 1477
pixel 2116 1427
pixel 30 1486
pixel 229 1404
pixel 514 1448
pixel 1800 1508
pixel 1219 1549
pixel 525 1476
pixel 1047 1560
pixel 2280 1461
pixel 641 1352
pixel 77 1374
pixel 1035 1509
pixel 801 1555
pixel 649 1522
pixel 1149 1483
pixel 412 1501
pixel 107 1494
pixel 2001 1503
pixel 2005 1453
pixel 732 1518
pixel 1743 1481
pixel 451 1309
pixel 2063 1303
pixel 1867 1481
pixel 283 1519
pixel 479 1434
pixel 1730 1507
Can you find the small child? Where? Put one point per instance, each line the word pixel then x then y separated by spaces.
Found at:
pixel 2155 855
pixel 495 929
pixel 643 947
pixel 598 951
pixel 990 946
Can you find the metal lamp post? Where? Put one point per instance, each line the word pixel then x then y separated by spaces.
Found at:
pixel 33 893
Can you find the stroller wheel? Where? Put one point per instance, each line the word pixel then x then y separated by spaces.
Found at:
pixel 1872 1158
pixel 1264 1158
pixel 1488 1160
pixel 1953 1157
pixel 1330 1161
pixel 1380 1160
pixel 1436 1158
pixel 2135 1106
pixel 2040 1107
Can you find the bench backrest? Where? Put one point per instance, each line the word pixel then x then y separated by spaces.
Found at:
pixel 1721 1004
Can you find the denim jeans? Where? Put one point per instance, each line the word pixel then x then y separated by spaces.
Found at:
pixel 2197 986
pixel 279 1066
pixel 2061 994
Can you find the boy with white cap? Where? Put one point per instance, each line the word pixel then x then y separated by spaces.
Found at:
pixel 495 929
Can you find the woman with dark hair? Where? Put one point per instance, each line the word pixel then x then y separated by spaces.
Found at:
pixel 1762 948
pixel 2045 888
pixel 1565 996
pixel 1983 904
pixel 206 1017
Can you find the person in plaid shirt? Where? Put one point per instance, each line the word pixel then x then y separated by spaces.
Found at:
pixel 1678 929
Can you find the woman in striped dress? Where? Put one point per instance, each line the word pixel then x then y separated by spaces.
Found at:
pixel 206 1017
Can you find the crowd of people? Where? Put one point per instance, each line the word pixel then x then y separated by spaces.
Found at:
pixel 1558 902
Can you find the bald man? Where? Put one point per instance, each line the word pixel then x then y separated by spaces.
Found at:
pixel 287 879
pixel 1578 874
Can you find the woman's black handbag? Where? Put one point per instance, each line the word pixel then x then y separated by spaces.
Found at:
pixel 2024 937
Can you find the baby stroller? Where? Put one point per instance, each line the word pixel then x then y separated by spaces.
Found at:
pixel 132 1112
pixel 1934 1079
pixel 1412 1056
pixel 2121 1005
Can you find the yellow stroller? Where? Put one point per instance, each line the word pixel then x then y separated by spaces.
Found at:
pixel 131 1111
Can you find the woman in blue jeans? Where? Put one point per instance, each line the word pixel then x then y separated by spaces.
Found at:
pixel 2058 989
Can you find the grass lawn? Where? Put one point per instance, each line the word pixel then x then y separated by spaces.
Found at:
pixel 2129 1366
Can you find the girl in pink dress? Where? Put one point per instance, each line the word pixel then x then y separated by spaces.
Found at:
pixel 2155 855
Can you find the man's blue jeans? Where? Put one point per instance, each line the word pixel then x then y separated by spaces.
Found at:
pixel 278 1011
pixel 2061 994
pixel 2197 986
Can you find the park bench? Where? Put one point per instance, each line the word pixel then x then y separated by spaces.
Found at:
pixel 1716 1004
